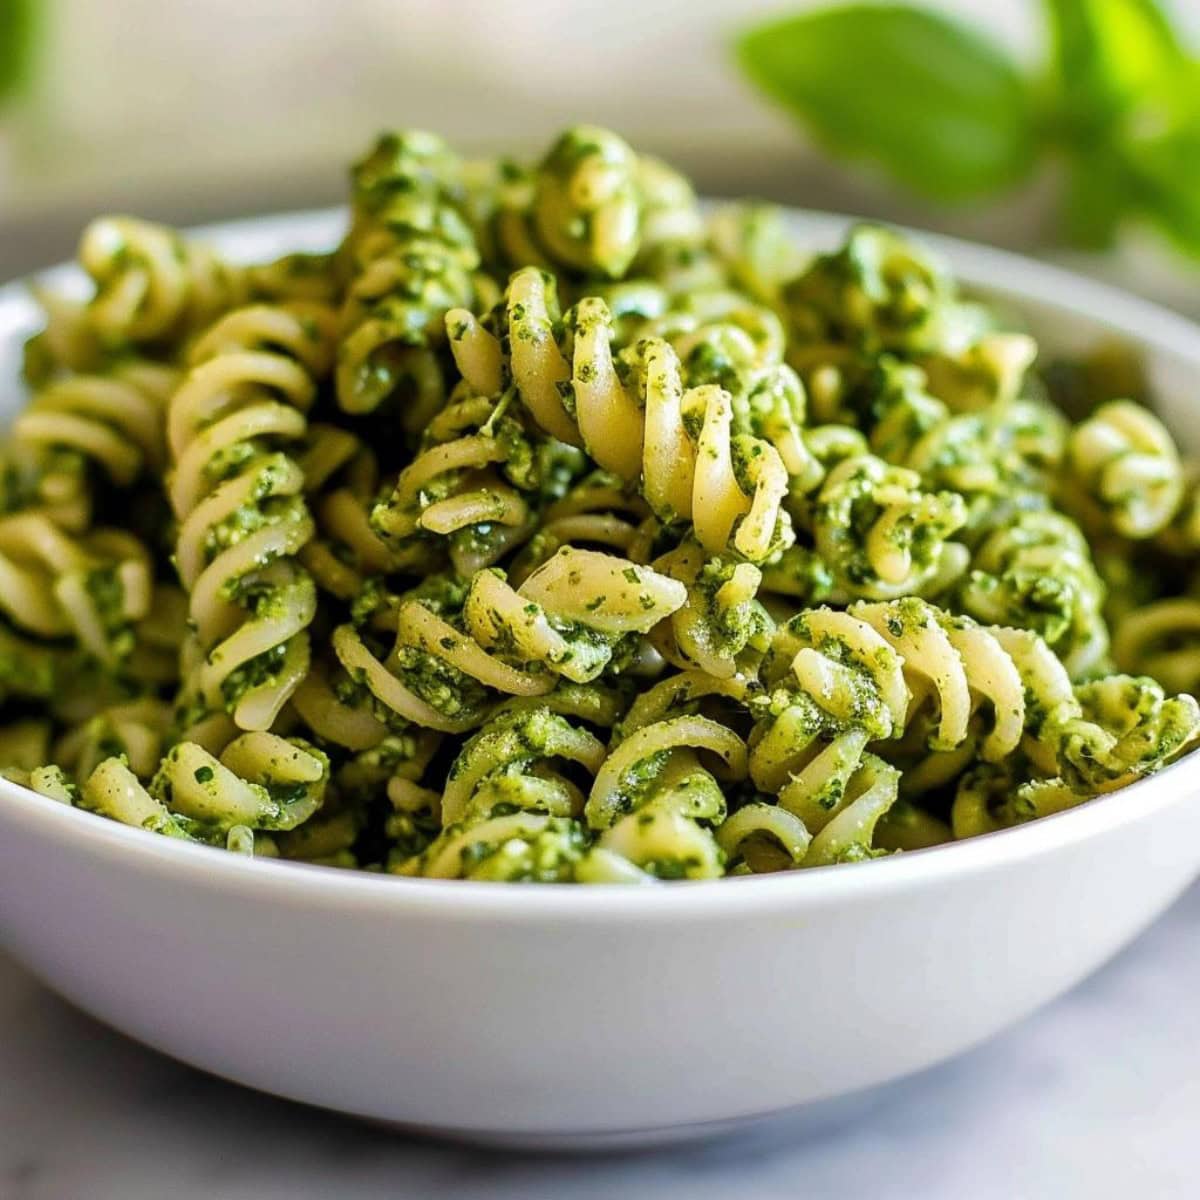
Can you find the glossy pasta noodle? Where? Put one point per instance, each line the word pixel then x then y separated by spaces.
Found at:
pixel 547 528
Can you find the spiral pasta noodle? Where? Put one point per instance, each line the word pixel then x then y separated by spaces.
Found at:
pixel 880 293
pixel 569 618
pixel 241 513
pixel 152 284
pixel 1109 733
pixel 115 420
pixel 260 782
pixel 464 491
pixel 1162 639
pixel 411 256
pixel 54 585
pixel 659 791
pixel 551 528
pixel 948 692
pixel 342 483
pixel 1124 471
pixel 722 627
pixel 1099 735
pixel 580 209
pixel 1036 572
pixel 877 289
pixel 506 812
pixel 679 442
pixel 994 458
pixel 881 535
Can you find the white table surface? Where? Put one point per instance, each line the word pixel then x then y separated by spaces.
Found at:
pixel 1097 1096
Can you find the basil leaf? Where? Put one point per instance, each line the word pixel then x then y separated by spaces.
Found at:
pixel 1127 104
pixel 1166 171
pixel 1099 194
pixel 938 105
pixel 1111 56
pixel 18 21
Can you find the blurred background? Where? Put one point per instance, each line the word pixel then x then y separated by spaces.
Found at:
pixel 197 111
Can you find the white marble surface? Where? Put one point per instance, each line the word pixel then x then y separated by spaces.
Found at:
pixel 1097 1096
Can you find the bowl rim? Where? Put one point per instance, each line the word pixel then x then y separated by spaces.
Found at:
pixel 1000 271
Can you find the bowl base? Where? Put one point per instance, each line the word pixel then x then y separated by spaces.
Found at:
pixel 617 1141
pixel 802 1121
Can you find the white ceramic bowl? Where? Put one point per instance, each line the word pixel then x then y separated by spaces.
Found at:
pixel 576 1015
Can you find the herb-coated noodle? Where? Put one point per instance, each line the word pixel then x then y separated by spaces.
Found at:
pixel 410 256
pixel 152 284
pixel 237 496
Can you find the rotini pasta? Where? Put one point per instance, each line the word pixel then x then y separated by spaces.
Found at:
pixel 881 293
pixel 1036 572
pixel 410 257
pixel 678 443
pixel 151 284
pixel 241 513
pixel 881 535
pixel 996 459
pixel 549 529
pixel 1125 474
pixel 722 627
pixel 115 421
pixel 464 491
pixel 506 813
pixel 579 209
pixel 655 800
pixel 153 289
pixel 260 782
pixel 54 585
pixel 1163 640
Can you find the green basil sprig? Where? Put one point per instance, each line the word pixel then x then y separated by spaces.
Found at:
pixel 950 114
pixel 18 30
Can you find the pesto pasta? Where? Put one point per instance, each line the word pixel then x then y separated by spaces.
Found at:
pixel 549 528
